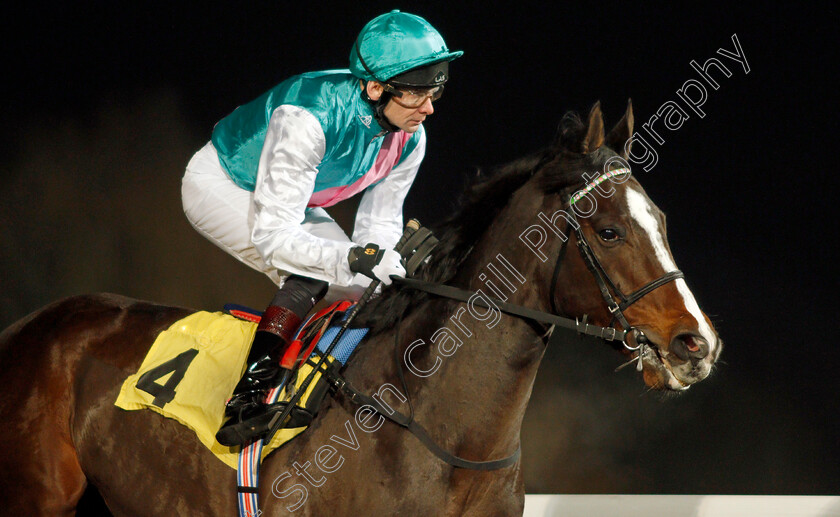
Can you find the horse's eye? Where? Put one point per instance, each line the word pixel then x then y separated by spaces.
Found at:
pixel 609 235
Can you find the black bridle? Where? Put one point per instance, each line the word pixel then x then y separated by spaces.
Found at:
pixel 617 302
pixel 609 291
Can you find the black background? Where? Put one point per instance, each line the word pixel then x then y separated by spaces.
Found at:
pixel 106 103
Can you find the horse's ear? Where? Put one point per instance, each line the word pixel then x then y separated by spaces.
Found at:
pixel 594 130
pixel 620 135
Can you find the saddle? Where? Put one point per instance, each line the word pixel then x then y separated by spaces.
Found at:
pixel 317 331
pixel 193 366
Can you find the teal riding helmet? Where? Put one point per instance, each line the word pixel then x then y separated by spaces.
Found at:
pixel 399 48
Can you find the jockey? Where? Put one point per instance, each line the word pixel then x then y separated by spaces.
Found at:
pixel 259 187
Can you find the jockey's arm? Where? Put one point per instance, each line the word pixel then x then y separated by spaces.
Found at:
pixel 294 146
pixel 379 218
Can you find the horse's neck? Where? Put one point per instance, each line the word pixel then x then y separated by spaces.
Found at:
pixel 476 397
pixel 482 390
pixel 487 383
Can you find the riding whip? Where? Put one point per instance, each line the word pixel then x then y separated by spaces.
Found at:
pixel 279 419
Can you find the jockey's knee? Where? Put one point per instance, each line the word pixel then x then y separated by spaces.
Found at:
pixel 300 293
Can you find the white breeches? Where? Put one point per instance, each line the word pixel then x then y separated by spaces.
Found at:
pixel 224 213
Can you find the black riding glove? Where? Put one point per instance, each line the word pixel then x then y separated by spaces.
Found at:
pixel 375 263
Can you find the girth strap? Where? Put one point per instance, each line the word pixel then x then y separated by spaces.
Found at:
pixel 340 384
pixel 447 291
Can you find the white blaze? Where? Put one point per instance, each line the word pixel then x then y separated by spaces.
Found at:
pixel 642 213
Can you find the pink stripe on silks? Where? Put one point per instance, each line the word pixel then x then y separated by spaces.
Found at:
pixel 388 157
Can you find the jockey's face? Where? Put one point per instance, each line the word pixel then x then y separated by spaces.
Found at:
pixel 407 119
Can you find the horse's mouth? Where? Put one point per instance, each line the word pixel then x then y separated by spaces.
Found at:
pixel 657 372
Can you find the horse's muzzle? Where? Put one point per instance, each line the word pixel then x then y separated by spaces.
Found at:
pixel 686 360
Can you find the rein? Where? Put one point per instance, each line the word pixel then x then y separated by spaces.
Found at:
pixel 340 384
pixel 407 422
pixel 455 293
pixel 609 292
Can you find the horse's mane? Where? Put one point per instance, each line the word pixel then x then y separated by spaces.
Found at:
pixel 478 206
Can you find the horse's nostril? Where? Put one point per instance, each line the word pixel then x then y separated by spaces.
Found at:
pixel 691 343
pixel 689 346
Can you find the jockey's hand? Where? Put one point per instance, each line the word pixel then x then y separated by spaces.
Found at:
pixel 375 263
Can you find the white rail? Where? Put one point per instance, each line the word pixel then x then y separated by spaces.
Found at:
pixel 681 506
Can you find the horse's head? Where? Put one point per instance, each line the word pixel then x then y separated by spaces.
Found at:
pixel 608 247
pixel 626 237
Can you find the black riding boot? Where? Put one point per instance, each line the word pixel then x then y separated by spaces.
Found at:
pixel 246 409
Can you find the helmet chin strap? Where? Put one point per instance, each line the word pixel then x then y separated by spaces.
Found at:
pixel 379 109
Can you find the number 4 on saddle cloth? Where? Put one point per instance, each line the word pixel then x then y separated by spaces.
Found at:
pixel 194 365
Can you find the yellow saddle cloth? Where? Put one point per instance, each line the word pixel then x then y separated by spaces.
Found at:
pixel 190 372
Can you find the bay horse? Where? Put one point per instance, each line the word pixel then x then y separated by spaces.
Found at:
pixel 61 367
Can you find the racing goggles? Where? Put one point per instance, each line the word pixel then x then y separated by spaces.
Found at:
pixel 413 98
